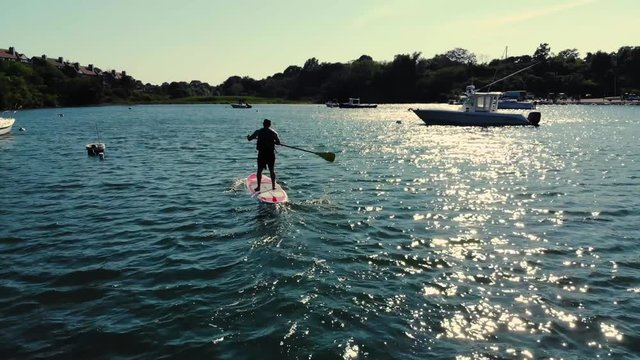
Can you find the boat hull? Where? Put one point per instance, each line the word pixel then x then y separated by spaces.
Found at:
pixel 241 106
pixel 459 118
pixel 5 125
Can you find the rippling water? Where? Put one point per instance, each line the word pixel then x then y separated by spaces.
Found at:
pixel 418 242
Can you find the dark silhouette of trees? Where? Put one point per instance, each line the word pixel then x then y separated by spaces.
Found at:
pixel 601 66
pixel 627 69
pixel 398 80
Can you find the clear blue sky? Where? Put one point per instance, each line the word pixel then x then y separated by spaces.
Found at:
pixel 210 40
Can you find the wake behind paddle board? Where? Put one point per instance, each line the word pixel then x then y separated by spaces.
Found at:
pixel 266 193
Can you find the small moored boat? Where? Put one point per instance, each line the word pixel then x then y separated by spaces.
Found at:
pixel 515 104
pixel 515 99
pixel 241 105
pixel 6 124
pixel 354 103
pixel 95 149
pixel 478 109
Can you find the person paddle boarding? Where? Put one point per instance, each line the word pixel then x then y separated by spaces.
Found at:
pixel 266 145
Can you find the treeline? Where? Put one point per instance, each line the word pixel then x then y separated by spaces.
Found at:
pixel 407 78
pixel 412 78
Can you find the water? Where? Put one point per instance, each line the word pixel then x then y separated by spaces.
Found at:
pixel 418 242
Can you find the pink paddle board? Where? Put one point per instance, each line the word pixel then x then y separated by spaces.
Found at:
pixel 266 193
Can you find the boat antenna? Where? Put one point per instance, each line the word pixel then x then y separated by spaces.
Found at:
pixel 504 57
pixel 510 75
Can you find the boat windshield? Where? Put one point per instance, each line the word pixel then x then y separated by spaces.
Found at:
pixel 486 103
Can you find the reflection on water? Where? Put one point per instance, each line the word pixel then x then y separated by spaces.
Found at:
pixel 499 194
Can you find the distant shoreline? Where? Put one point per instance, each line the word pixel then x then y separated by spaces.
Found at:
pixel 593 101
pixel 205 100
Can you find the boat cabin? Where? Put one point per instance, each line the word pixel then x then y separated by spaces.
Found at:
pixel 354 101
pixel 480 101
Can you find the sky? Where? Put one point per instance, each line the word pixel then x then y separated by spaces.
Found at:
pixel 160 41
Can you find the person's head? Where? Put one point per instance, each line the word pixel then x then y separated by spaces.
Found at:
pixel 266 123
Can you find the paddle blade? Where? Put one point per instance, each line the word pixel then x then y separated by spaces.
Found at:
pixel 329 156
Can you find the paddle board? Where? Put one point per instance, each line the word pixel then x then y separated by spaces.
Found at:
pixel 266 193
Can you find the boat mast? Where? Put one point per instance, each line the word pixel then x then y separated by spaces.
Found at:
pixel 504 57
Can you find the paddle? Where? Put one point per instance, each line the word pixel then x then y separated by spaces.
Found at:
pixel 329 156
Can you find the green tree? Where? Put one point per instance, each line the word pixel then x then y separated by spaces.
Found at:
pixel 601 69
pixel 542 53
pixel 461 56
pixel 628 68
pixel 569 55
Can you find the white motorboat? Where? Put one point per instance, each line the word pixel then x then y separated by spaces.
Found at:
pixel 516 104
pixel 6 124
pixel 241 105
pixel 354 103
pixel 516 100
pixel 478 109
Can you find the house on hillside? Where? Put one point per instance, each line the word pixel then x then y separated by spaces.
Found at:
pixel 23 58
pixel 89 70
pixel 69 68
pixel 59 62
pixel 82 70
pixel 73 68
pixel 114 75
pixel 9 54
